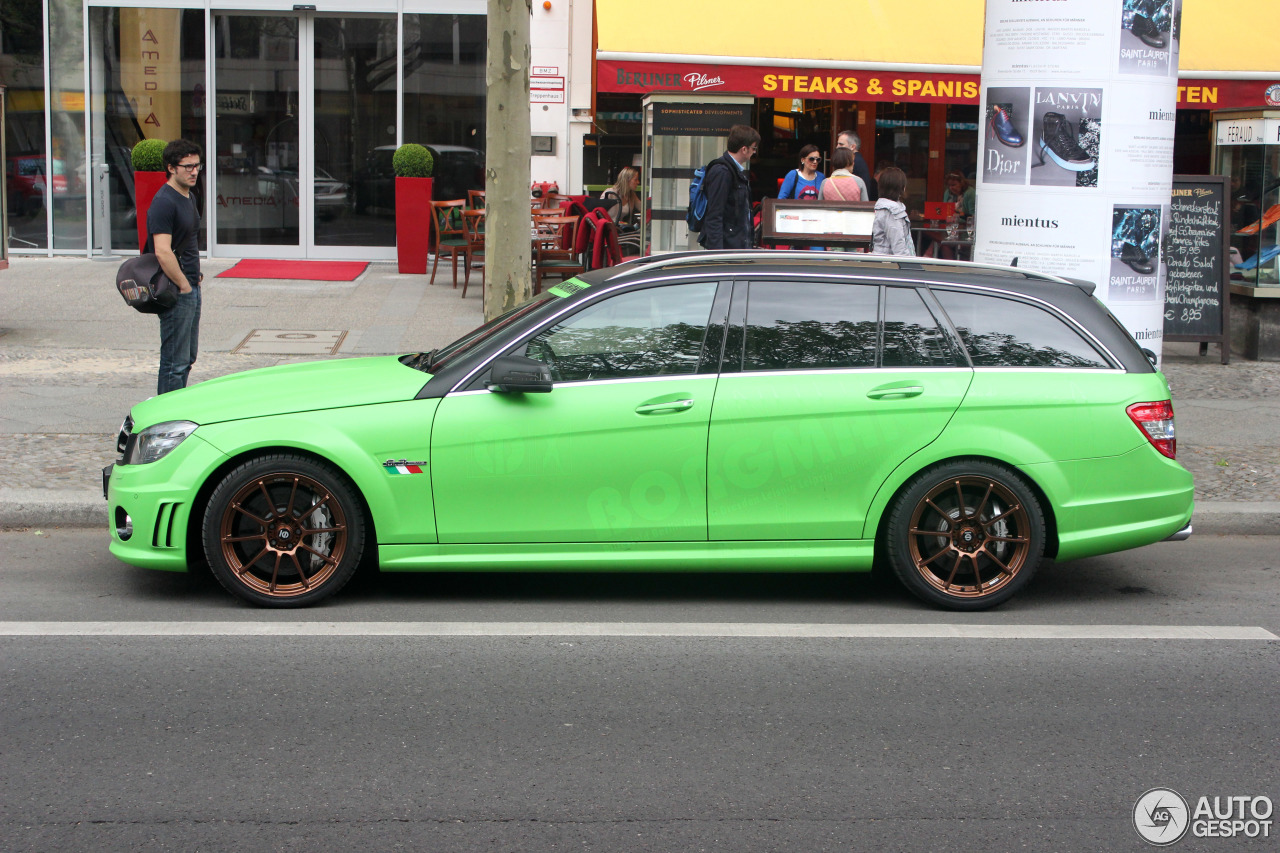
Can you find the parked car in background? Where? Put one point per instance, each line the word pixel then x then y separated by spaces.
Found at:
pixel 778 411
pixel 456 170
pixel 26 185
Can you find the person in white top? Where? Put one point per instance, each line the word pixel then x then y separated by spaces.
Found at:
pixel 891 233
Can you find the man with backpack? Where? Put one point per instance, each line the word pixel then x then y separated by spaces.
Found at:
pixel 727 223
pixel 173 223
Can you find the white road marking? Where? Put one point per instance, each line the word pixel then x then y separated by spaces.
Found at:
pixel 634 629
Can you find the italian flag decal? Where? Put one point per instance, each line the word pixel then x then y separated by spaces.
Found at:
pixel 402 466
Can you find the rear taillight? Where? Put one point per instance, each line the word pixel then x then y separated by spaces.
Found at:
pixel 1156 422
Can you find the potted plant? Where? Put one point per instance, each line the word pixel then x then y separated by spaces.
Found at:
pixel 149 176
pixel 413 165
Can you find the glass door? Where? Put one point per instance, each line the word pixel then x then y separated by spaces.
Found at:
pixel 300 102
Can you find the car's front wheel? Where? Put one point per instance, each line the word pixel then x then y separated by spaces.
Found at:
pixel 965 535
pixel 283 531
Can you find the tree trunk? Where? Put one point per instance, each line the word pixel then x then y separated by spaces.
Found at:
pixel 506 180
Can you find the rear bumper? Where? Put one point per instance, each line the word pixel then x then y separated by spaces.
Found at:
pixel 1181 536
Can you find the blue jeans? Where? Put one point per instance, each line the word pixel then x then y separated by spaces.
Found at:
pixel 179 340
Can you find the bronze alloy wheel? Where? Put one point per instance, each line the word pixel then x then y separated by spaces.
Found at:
pixel 966 535
pixel 283 531
pixel 969 537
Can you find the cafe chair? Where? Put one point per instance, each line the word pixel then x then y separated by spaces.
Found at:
pixel 560 248
pixel 449 239
pixel 473 229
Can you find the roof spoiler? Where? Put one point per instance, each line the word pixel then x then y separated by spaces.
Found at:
pixel 1087 286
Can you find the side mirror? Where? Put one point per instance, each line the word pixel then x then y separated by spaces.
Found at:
pixel 516 374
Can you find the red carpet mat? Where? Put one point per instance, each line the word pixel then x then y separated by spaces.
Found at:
pixel 303 270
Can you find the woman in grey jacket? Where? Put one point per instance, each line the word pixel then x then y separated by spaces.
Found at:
pixel 891 233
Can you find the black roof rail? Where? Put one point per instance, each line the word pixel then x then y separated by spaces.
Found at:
pixel 675 259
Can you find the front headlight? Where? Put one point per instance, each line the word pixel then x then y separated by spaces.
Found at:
pixel 154 442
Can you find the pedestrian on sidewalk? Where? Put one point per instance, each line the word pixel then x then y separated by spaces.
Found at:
pixel 727 224
pixel 891 233
pixel 843 185
pixel 173 228
pixel 851 140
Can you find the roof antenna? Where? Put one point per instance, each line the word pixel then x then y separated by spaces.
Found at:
pixel 1014 262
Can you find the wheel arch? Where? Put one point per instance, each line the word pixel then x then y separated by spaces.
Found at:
pixel 906 473
pixel 200 503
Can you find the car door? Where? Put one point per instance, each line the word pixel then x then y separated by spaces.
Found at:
pixel 615 453
pixel 827 386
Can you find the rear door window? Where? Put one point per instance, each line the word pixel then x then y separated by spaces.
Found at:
pixel 912 336
pixel 1000 332
pixel 810 325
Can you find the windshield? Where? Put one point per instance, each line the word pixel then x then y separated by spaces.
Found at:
pixel 478 336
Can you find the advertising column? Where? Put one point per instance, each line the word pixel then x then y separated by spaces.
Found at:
pixel 1078 100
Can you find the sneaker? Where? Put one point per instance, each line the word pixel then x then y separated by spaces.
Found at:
pixel 1271 217
pixel 1263 257
pixel 1147 32
pixel 1001 124
pixel 1136 258
pixel 1058 140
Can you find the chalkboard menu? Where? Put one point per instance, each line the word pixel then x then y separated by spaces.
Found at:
pixel 1196 294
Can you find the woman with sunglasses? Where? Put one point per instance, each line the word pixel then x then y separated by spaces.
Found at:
pixel 803 182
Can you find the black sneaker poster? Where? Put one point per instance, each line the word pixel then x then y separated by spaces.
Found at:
pixel 1138 234
pixel 1067 135
pixel 1149 35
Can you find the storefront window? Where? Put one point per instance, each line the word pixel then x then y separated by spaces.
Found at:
pixel 444 102
pixel 66 107
pixel 257 129
pixel 26 166
pixel 902 140
pixel 962 140
pixel 355 107
pixel 146 79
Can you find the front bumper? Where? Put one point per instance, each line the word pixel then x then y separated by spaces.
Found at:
pixel 149 506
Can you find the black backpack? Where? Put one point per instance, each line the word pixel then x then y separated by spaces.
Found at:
pixel 143 284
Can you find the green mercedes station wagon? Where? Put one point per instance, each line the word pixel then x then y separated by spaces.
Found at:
pixel 757 411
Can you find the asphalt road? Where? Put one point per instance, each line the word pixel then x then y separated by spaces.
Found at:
pixel 293 735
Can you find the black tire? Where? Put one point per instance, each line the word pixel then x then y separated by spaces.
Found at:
pixel 284 531
pixel 965 535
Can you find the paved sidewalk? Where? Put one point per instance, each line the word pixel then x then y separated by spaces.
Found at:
pixel 74 358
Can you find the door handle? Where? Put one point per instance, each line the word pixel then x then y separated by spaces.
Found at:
pixel 667 406
pixel 895 391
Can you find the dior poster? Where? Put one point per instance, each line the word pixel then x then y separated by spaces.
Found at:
pixel 1004 153
pixel 1078 105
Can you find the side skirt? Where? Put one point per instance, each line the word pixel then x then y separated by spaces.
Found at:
pixel 839 555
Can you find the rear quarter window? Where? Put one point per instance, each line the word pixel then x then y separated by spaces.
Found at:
pixel 1002 332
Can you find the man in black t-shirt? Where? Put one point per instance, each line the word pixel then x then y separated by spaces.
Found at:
pixel 173 228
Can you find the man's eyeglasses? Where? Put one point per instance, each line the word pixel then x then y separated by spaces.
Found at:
pixel 191 167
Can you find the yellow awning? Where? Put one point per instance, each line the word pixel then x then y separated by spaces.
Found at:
pixel 1217 35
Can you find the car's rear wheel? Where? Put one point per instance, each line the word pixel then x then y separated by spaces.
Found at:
pixel 965 535
pixel 283 531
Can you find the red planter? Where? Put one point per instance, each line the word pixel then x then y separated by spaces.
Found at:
pixel 413 223
pixel 145 187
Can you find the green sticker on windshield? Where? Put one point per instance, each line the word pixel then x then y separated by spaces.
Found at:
pixel 568 288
